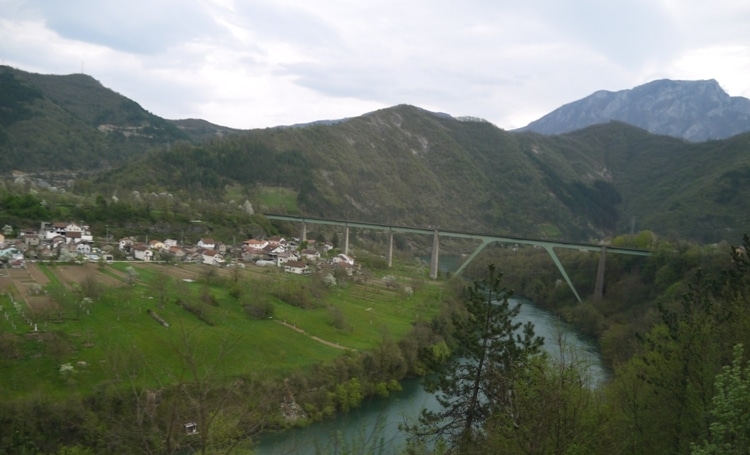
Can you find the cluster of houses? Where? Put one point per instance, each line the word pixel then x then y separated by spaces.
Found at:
pixel 52 241
pixel 73 241
pixel 275 251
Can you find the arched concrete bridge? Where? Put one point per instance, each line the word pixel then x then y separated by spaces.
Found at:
pixel 548 245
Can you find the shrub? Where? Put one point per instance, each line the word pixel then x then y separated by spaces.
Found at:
pixel 259 310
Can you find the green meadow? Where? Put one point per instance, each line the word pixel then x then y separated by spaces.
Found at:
pixel 113 334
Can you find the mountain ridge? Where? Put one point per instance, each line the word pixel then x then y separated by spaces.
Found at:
pixel 692 110
pixel 402 165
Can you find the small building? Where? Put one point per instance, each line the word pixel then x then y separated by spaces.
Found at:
pixel 254 245
pixel 142 252
pixel 156 245
pixel 125 243
pixel 297 267
pixel 190 428
pixel 207 243
pixel 343 258
pixel 212 257
pixel 83 247
pixel 311 254
pixel 286 256
pixel 177 252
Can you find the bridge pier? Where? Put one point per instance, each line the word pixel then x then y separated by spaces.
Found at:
pixel 562 271
pixel 468 260
pixel 548 245
pixel 390 249
pixel 435 255
pixel 346 240
pixel 599 287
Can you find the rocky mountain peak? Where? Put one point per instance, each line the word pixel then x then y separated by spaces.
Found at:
pixel 692 110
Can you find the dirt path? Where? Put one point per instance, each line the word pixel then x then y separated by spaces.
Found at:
pixel 313 337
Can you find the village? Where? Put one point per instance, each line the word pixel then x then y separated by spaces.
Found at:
pixel 72 242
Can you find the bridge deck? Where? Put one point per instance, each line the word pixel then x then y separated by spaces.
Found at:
pixel 486 239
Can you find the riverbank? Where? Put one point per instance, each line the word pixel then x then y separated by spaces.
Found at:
pixel 374 425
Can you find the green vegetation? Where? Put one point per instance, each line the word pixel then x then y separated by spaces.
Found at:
pixel 492 351
pixel 121 368
pixel 117 321
pixel 278 199
pixel 52 123
pixel 401 165
pixel 155 334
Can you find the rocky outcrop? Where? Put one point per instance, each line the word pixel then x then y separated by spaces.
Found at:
pixel 692 110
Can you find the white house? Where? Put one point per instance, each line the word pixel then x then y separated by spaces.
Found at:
pixel 343 258
pixel 253 244
pixel 83 247
pixel 297 267
pixel 77 231
pixel 212 257
pixel 283 258
pixel 310 254
pixel 142 252
pixel 207 243
pixel 277 241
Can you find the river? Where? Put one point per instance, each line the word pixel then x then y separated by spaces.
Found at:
pixel 375 423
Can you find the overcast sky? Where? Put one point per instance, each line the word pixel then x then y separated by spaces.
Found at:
pixel 259 63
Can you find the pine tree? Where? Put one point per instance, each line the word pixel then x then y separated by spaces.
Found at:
pixel 477 381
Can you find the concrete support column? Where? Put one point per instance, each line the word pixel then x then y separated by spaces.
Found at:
pixel 346 240
pixel 304 232
pixel 390 249
pixel 599 287
pixel 435 255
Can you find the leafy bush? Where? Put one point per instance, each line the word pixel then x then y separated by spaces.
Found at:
pixel 197 311
pixel 259 310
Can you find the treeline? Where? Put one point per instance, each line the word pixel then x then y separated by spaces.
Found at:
pixel 163 214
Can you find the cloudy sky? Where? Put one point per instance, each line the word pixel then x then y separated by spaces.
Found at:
pixel 259 63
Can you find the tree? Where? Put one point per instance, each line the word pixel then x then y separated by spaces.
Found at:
pixel 552 409
pixel 477 381
pixel 666 390
pixel 730 412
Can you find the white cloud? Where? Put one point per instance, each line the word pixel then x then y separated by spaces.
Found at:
pixel 262 63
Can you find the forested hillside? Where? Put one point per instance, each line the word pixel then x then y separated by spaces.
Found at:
pixel 56 123
pixel 401 165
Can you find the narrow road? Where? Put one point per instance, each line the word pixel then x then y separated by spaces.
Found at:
pixel 313 337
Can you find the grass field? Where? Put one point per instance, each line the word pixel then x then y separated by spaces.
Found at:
pixel 113 337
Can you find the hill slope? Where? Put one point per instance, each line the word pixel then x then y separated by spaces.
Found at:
pixel 72 122
pixel 692 110
pixel 405 165
pixel 401 165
